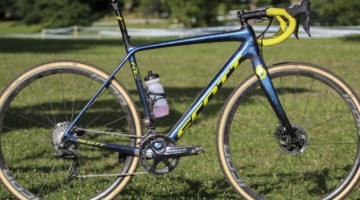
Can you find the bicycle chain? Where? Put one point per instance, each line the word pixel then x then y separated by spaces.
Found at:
pixel 150 136
pixel 109 133
pixel 107 175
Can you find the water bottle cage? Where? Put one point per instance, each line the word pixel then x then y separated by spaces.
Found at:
pixel 157 96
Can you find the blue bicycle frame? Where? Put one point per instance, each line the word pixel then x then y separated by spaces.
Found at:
pixel 249 49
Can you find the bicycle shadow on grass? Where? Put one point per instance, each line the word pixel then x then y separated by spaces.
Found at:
pixel 219 188
pixel 186 188
pixel 26 116
pixel 47 114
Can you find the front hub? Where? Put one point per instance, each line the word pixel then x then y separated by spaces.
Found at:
pixel 292 146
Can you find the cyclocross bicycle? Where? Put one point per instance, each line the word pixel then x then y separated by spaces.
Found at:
pixel 290 127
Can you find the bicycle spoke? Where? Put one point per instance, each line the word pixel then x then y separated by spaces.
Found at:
pixel 293 178
pixel 295 93
pixel 48 177
pixel 112 122
pixel 322 156
pixel 74 97
pixel 44 116
pixel 31 143
pixel 282 91
pixel 63 97
pixel 84 93
pixel 322 118
pixel 100 115
pixel 307 103
pixel 272 170
pixel 29 119
pixel 267 108
pixel 50 103
pixel 327 121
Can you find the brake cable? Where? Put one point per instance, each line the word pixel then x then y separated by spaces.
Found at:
pixel 262 35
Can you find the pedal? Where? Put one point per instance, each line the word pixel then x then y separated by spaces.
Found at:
pixel 178 151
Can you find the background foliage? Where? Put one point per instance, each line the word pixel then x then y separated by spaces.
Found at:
pixel 192 13
pixel 337 12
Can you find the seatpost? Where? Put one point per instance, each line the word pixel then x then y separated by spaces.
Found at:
pixel 122 25
pixel 133 64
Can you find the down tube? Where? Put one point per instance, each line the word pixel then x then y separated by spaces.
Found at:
pixel 186 120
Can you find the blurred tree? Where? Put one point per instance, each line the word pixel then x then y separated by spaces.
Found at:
pixel 254 4
pixel 135 4
pixel 200 12
pixel 194 12
pixel 154 8
pixel 6 9
pixel 336 12
pixel 60 13
pixel 282 3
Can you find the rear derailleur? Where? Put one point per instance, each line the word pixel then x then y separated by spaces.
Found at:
pixel 159 155
pixel 66 149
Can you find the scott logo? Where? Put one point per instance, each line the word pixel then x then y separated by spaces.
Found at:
pixel 260 72
pixel 209 96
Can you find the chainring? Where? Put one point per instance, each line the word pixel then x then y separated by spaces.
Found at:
pixel 151 151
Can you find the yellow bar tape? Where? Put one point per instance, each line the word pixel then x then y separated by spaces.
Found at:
pixel 282 28
pixel 285 29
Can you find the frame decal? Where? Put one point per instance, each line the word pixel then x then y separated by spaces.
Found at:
pixel 90 142
pixel 260 72
pixel 212 92
pixel 134 68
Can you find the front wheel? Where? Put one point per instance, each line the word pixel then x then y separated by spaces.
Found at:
pixel 253 150
pixel 36 109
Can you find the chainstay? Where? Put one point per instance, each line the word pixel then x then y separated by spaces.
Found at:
pixel 110 133
pixel 107 175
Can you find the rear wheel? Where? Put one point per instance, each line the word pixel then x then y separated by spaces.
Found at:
pixel 253 148
pixel 36 109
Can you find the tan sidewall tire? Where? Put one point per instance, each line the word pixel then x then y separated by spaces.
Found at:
pixel 86 67
pixel 235 95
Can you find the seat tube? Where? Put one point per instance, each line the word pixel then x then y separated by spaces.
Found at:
pixel 267 86
pixel 140 88
pixel 132 61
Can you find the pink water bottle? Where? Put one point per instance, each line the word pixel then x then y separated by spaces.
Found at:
pixel 156 94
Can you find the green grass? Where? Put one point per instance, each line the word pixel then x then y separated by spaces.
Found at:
pixel 17 27
pixel 184 72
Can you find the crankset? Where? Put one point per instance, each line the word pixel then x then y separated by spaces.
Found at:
pixel 159 155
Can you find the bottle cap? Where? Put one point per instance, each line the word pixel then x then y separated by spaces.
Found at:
pixel 151 76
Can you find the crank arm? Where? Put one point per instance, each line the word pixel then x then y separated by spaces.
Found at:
pixel 178 151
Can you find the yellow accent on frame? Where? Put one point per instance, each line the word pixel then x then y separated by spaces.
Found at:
pixel 207 98
pixel 90 142
pixel 261 72
pixel 134 68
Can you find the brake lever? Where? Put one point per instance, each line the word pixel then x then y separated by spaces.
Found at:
pixel 297 11
pixel 306 23
pixel 296 32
